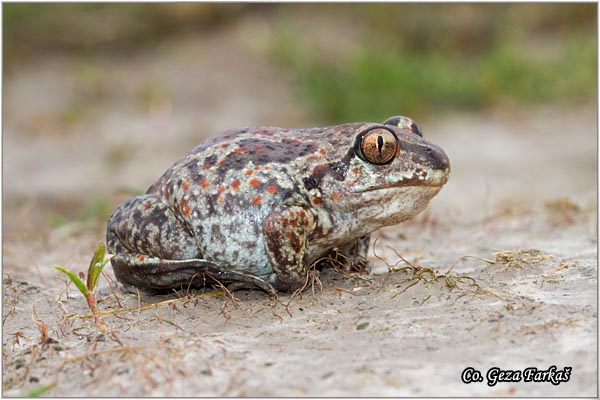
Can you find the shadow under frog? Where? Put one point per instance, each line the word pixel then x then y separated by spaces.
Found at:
pixel 258 206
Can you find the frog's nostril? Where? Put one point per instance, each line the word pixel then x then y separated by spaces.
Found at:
pixel 437 158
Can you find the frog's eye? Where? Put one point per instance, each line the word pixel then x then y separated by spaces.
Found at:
pixel 378 146
pixel 404 123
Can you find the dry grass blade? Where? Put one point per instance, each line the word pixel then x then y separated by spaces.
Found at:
pixel 225 312
pixel 112 289
pixel 428 274
pixel 9 313
pixel 405 289
pixel 482 291
pixel 27 367
pixel 340 290
pixel 43 329
pixel 161 320
pixel 465 257
pixel 234 300
pixel 98 352
pixel 562 266
pixel 147 306
pixel 16 338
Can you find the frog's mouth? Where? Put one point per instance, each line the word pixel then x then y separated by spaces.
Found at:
pixel 436 180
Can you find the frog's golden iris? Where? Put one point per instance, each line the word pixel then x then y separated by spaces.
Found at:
pixel 378 146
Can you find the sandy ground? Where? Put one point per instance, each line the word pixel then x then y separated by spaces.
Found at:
pixel 522 195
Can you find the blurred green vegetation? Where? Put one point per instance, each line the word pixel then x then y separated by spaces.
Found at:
pixel 98 210
pixel 408 58
pixel 32 29
pixel 420 58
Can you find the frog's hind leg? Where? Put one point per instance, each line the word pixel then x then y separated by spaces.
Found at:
pixel 156 275
pixel 155 250
pixel 146 225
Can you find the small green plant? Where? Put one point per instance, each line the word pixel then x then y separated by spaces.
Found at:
pixel 37 391
pixel 97 263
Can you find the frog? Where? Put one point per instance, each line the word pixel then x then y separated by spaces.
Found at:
pixel 256 207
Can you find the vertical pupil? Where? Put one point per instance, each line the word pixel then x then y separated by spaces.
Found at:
pixel 379 143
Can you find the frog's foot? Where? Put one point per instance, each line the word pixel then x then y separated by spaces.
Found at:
pixel 154 274
pixel 344 264
pixel 351 257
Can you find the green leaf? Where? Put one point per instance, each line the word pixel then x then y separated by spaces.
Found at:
pixel 75 279
pixel 37 391
pixel 96 265
pixel 362 326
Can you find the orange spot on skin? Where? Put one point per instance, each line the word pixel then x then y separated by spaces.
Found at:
pixel 356 170
pixel 220 200
pixel 266 168
pixel 185 207
pixel 146 205
pixel 249 172
pixel 335 196
pixel 185 185
pixel 272 189
pixel 221 162
pixel 205 183
pixel 256 167
pixel 256 201
pixel 235 185
pixel 221 189
pixel 254 182
pixel 319 168
pixel 223 145
pixel 175 208
pixel 140 257
pixel 312 158
pixel 316 201
pixel 240 149
pixel 323 151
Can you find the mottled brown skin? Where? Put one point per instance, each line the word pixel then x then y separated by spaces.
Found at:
pixel 257 206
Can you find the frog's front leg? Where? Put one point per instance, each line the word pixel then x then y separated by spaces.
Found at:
pixel 353 255
pixel 286 234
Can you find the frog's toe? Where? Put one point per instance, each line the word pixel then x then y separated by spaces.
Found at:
pixel 360 264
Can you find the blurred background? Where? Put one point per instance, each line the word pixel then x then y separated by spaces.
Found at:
pixel 99 99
